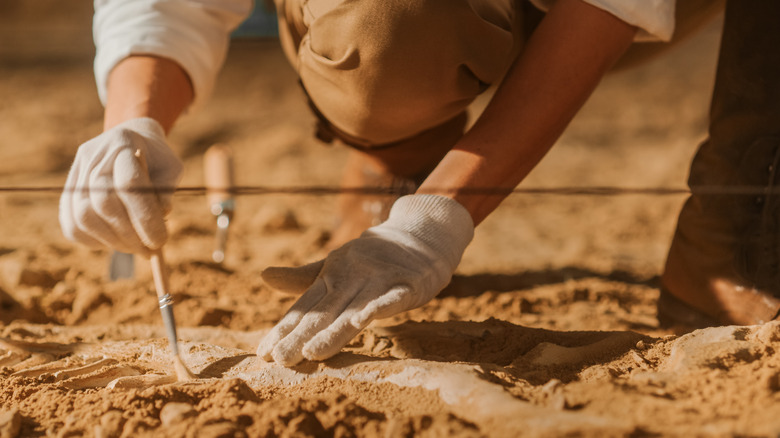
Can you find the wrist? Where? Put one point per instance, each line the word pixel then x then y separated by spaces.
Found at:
pixel 146 126
pixel 147 86
pixel 442 223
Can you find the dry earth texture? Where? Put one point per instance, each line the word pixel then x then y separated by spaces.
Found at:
pixel 548 328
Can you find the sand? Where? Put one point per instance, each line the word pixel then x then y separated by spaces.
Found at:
pixel 548 328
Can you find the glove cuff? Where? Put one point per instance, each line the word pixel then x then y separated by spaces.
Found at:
pixel 146 126
pixel 440 222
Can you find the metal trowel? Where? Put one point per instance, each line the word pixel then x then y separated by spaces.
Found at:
pixel 218 170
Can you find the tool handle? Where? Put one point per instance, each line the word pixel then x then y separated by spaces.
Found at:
pixel 164 298
pixel 218 170
pixel 159 273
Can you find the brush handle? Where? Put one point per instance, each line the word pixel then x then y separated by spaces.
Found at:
pixel 160 275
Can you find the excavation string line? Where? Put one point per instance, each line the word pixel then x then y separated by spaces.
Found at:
pixel 334 190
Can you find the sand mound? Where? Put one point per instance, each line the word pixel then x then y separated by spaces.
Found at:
pixel 455 378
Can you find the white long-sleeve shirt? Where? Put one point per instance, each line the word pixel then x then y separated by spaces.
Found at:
pixel 195 33
pixel 654 18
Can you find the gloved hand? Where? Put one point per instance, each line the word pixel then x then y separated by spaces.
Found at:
pixel 396 266
pixel 101 204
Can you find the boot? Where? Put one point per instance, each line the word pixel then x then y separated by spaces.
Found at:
pixel 723 264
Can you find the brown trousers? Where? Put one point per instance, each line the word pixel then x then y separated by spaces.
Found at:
pixel 725 256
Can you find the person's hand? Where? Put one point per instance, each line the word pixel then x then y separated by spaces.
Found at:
pixel 111 198
pixel 393 267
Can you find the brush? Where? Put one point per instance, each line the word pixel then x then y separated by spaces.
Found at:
pixel 160 275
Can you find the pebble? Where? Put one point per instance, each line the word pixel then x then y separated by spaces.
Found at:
pixel 10 423
pixel 224 429
pixel 110 425
pixel 175 412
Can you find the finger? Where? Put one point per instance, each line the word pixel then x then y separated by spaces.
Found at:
pixel 291 319
pixel 331 340
pixel 67 214
pixel 393 302
pixel 359 314
pixel 289 351
pixel 165 172
pixel 292 280
pixel 108 206
pixel 88 226
pixel 364 309
pixel 66 209
pixel 136 192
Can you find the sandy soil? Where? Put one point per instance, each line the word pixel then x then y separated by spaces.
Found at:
pixel 548 328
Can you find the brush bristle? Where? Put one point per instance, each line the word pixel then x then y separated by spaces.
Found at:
pixel 182 372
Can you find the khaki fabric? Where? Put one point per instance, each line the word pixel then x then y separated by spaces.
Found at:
pixel 382 71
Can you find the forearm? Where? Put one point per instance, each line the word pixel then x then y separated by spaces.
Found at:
pixel 147 86
pixel 563 61
pixel 158 57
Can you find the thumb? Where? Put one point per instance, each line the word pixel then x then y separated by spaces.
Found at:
pixel 292 280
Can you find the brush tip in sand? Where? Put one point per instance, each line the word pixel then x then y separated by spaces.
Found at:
pixel 182 372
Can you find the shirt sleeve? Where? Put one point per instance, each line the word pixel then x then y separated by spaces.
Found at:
pixel 654 18
pixel 193 33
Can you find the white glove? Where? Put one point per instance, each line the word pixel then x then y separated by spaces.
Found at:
pixel 101 204
pixel 393 267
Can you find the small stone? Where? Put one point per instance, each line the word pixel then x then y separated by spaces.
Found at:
pixel 382 345
pixel 10 423
pixel 173 413
pixel 551 386
pixel 110 425
pixel 223 429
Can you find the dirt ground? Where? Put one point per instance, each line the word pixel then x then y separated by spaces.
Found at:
pixel 548 328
